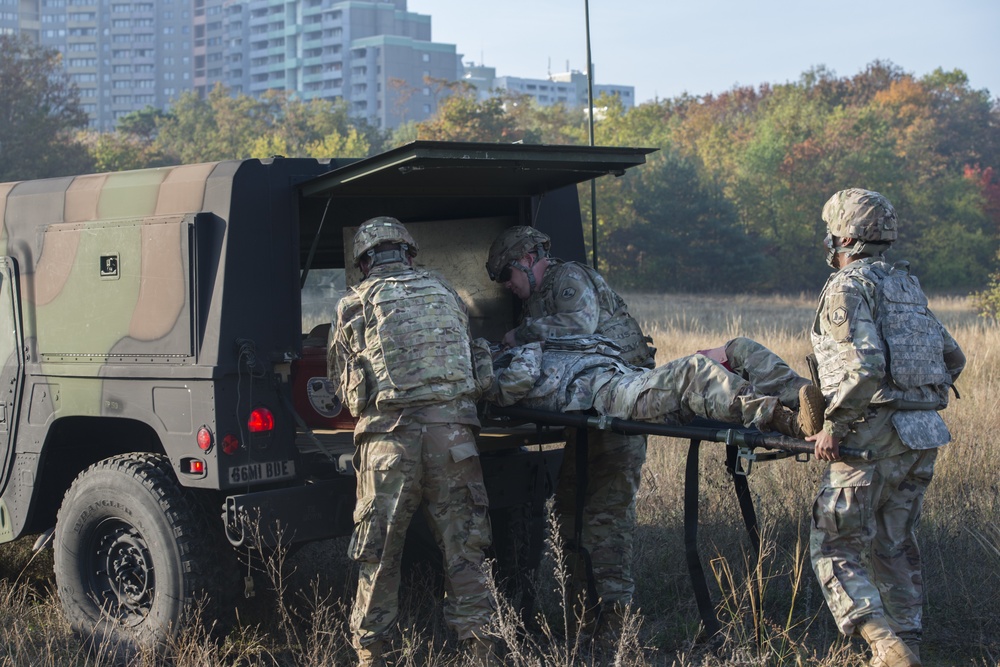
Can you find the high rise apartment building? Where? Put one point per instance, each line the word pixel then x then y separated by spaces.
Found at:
pixel 122 54
pixel 127 54
pixel 377 56
pixel 566 88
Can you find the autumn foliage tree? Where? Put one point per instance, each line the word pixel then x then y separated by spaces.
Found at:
pixel 732 197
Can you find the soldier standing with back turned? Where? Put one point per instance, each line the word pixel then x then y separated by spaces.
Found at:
pixel 886 365
pixel 400 351
pixel 564 299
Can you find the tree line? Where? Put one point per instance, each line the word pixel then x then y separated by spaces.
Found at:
pixel 731 199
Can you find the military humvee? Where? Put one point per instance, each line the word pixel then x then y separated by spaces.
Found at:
pixel 165 400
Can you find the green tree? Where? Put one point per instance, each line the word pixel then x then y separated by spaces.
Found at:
pixel 223 127
pixel 353 144
pixel 461 117
pixel 130 146
pixel 141 124
pixel 114 151
pixel 672 232
pixel 39 114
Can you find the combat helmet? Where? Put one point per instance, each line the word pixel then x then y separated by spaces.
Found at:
pixel 511 245
pixel 860 214
pixel 383 229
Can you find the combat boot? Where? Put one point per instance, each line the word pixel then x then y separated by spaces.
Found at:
pixel 888 650
pixel 609 631
pixel 812 409
pixel 787 422
pixel 912 639
pixel 372 655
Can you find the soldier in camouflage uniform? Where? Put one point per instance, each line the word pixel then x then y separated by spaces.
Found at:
pixel 586 373
pixel 564 299
pixel 400 351
pixel 886 365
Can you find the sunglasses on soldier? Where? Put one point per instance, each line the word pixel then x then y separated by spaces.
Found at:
pixel 504 274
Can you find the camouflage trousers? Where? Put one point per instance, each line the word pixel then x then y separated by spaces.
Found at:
pixel 684 389
pixel 764 370
pixel 614 467
pixel 434 466
pixel 863 540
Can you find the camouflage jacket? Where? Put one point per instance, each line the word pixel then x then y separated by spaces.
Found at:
pixel 849 335
pixel 572 373
pixel 574 300
pixel 400 350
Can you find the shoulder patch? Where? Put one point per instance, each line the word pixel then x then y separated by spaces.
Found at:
pixel 838 316
pixel 568 293
pixel 841 309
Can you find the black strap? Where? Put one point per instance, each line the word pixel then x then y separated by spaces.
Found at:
pixel 701 595
pixel 582 479
pixel 745 500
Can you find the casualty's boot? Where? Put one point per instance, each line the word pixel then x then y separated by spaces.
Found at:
pixel 786 422
pixel 888 650
pixel 812 408
pixel 372 655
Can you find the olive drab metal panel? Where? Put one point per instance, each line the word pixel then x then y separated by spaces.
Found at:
pixel 11 374
pixel 115 290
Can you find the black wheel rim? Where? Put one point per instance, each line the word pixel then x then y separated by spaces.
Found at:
pixel 122 580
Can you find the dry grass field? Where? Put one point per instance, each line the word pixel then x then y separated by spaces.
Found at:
pixel 772 615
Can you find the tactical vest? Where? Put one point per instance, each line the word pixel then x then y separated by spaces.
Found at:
pixel 916 376
pixel 615 322
pixel 414 348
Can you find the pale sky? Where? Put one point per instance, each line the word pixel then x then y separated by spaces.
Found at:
pixel 665 48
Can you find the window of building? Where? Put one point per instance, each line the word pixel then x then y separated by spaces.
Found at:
pixel 426 57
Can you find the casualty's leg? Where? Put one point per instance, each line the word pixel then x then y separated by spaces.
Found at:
pixel 766 371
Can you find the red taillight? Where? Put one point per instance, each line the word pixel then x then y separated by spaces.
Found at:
pixel 260 420
pixel 204 438
pixel 230 444
pixel 196 466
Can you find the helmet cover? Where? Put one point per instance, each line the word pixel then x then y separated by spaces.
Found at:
pixel 862 215
pixel 511 245
pixel 377 231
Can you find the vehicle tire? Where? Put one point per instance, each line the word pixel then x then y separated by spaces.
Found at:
pixel 134 555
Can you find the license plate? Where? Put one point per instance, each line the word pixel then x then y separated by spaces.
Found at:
pixel 261 472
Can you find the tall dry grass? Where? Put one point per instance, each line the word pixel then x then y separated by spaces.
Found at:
pixel 771 608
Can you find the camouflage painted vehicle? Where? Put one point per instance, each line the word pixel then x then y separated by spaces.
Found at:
pixel 165 398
